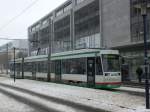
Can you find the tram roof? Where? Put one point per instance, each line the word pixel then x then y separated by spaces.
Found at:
pixel 82 53
pixel 36 58
pixel 68 55
pixel 31 59
pixel 19 60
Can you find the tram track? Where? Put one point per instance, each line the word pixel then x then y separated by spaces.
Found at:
pixel 44 103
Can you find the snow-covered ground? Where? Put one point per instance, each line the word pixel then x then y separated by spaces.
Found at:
pixel 108 100
pixel 8 104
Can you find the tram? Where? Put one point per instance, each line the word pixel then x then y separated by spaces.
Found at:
pixel 88 67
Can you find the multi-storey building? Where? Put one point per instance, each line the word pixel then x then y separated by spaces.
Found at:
pixel 79 24
pixel 7 52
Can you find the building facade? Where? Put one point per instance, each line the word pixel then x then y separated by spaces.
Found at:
pixel 7 52
pixel 81 24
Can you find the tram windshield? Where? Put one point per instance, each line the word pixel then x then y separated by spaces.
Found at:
pixel 111 63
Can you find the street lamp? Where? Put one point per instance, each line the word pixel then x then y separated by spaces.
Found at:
pixel 14 65
pixel 49 53
pixel 144 6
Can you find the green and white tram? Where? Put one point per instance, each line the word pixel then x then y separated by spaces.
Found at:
pixel 88 67
pixel 92 67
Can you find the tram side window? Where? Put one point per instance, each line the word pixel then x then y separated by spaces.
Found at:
pixel 42 67
pixel 45 67
pixel 39 67
pixel 99 70
pixel 18 67
pixel 33 67
pixel 52 67
pixel 74 66
pixel 11 67
pixel 28 67
pixel 25 67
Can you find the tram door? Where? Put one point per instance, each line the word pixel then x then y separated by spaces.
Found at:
pixel 91 72
pixel 58 71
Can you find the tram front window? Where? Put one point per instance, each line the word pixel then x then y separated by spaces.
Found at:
pixel 111 63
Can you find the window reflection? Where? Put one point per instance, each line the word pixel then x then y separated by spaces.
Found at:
pixel 74 66
pixel 137 22
pixel 99 70
pixel 111 63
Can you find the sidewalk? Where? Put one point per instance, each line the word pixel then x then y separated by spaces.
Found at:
pixel 135 84
pixel 114 101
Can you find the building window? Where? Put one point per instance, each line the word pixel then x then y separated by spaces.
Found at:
pixel 62 35
pixel 64 9
pixel 87 27
pixel 79 1
pixel 33 29
pixel 51 17
pixel 45 22
pixel 68 7
pixel 37 26
pixel 137 32
pixel 60 12
pixel 137 22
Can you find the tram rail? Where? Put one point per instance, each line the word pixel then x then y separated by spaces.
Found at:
pixel 44 102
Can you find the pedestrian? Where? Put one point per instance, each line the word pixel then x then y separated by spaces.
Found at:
pixel 139 73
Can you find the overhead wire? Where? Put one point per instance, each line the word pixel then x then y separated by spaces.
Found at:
pixel 10 38
pixel 17 16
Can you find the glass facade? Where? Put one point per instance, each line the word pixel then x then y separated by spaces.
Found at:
pixel 137 22
pixel 44 35
pixel 133 60
pixel 64 9
pixel 62 40
pixel 78 29
pixel 87 26
pixel 79 1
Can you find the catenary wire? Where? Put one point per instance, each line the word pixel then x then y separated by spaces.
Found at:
pixel 17 16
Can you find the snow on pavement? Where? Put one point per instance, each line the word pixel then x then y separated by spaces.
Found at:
pixel 108 100
pixel 8 104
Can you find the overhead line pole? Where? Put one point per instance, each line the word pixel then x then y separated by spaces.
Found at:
pixel 14 65
pixel 14 57
pixel 7 59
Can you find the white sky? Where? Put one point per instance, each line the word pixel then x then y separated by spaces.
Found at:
pixel 18 28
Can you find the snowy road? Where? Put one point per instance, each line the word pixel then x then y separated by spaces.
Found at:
pixel 43 103
pixel 77 99
pixel 8 104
